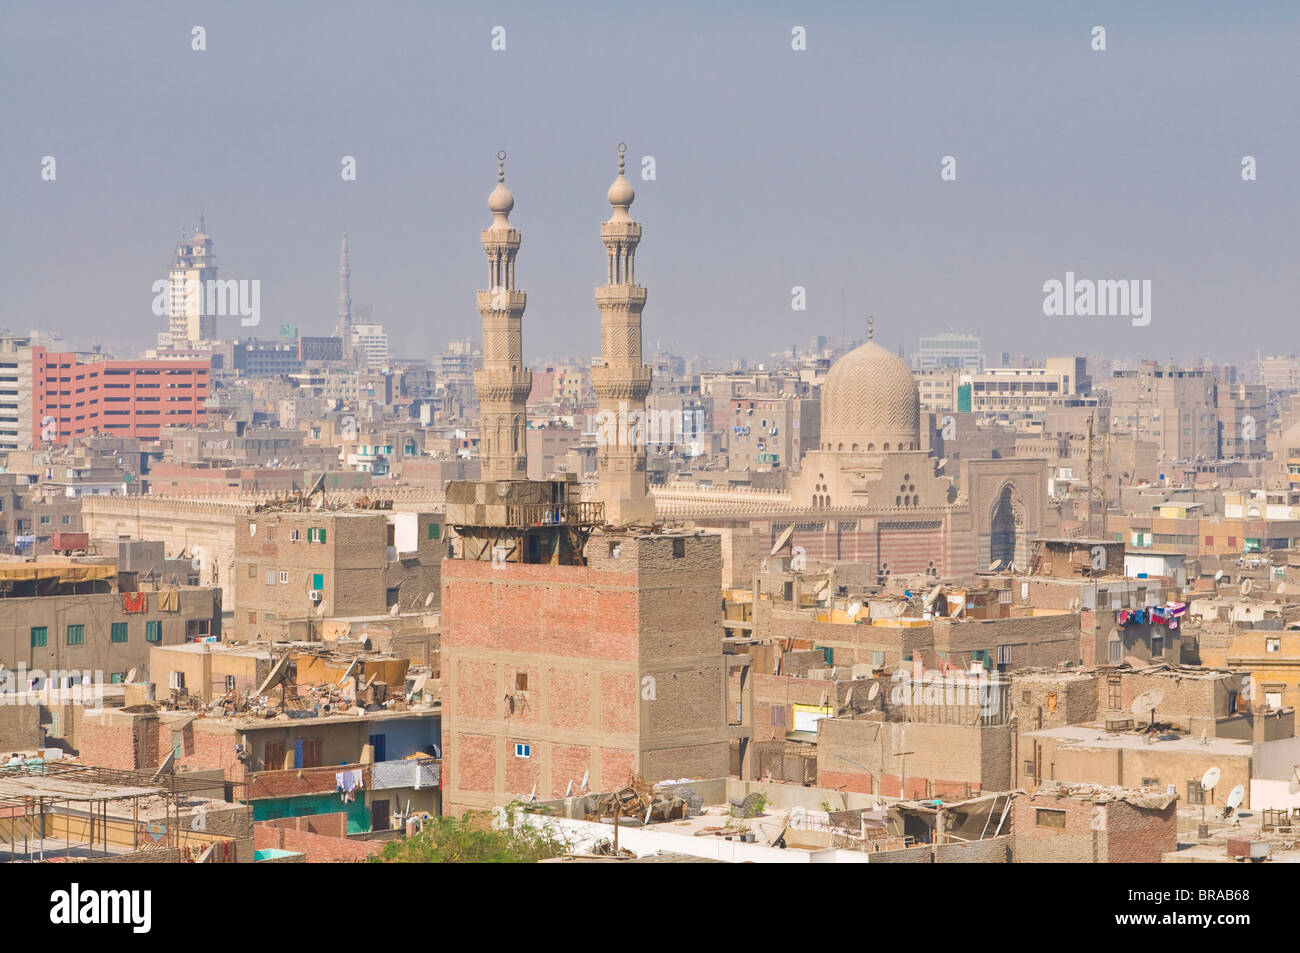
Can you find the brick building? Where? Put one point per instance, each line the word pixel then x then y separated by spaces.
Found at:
pixel 295 567
pixel 582 669
pixel 1093 824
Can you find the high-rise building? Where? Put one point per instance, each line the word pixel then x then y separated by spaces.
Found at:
pixel 370 345
pixel 959 352
pixel 621 381
pixel 504 383
pixel 193 267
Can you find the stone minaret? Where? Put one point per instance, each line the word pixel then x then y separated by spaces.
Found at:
pixel 503 385
pixel 621 381
pixel 345 300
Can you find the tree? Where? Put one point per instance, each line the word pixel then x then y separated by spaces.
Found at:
pixel 473 838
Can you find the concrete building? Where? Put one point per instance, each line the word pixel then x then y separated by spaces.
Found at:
pixel 949 350
pixel 193 267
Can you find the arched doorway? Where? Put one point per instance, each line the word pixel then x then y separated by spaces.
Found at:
pixel 1007 547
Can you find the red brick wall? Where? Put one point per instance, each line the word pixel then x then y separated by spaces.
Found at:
pixel 107 747
pixel 319 848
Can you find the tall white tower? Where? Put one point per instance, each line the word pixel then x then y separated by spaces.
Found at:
pixel 503 385
pixel 621 381
pixel 192 268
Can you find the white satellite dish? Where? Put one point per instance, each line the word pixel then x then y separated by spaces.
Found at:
pixel 252 529
pixel 320 609
pixel 1218 575
pixel 855 608
pixel 428 600
pixel 873 691
pixel 1246 586
pixel 783 539
pixel 1147 701
pixel 395 610
pixel 196 563
pixel 1236 796
pixel 130 677
pixel 1210 778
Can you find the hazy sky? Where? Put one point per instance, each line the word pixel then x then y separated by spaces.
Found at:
pixel 775 168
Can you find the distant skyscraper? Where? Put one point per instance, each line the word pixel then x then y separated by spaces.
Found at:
pixel 370 345
pixel 193 267
pixel 621 381
pixel 503 385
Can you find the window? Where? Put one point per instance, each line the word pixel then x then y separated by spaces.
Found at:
pixel 1029 769
pixel 1115 649
pixel 1157 645
pixel 1047 817
pixel 198 628
pixel 1273 699
pixel 76 635
pixel 778 716
pixel 316 535
pixel 153 632
pixel 1272 646
pixel 119 632
pixel 284 576
pixel 273 755
pixel 435 530
pixel 294 535
pixel 252 571
pixel 1151 782
pixel 679 548
pixel 523 751
pixel 177 681
pixel 521 681
pixel 270 577
pixel 1004 654
pixel 318 580
pixel 230 683
pixel 38 636
pixel 1114 694
pixel 1195 793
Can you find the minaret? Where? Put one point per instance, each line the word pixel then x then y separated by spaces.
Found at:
pixel 621 381
pixel 345 300
pixel 503 385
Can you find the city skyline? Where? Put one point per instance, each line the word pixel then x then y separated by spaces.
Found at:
pixel 760 184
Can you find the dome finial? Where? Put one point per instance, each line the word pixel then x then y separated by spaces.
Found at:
pixel 621 194
pixel 500 202
pixel 871 328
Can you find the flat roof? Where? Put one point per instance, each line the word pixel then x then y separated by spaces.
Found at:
pixel 1084 736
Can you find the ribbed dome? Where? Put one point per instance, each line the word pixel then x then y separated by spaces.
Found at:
pixel 870 402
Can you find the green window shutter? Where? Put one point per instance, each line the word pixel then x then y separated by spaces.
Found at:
pixel 76 635
pixel 153 631
pixel 318 580
pixel 39 633
pixel 321 534
pixel 115 678
pixel 119 632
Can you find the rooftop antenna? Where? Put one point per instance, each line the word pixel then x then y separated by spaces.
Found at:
pixel 1208 781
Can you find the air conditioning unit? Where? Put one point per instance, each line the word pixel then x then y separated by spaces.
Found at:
pixel 314 595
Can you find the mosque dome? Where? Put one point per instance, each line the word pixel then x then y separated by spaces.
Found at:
pixel 870 403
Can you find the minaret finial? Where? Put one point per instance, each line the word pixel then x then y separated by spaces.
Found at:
pixel 871 328
pixel 501 166
pixel 622 151
pixel 203 227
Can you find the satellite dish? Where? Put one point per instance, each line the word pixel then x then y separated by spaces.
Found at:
pixel 1147 701
pixel 1218 575
pixel 166 765
pixel 783 539
pixel 320 609
pixel 855 608
pixel 395 610
pixel 1210 778
pixel 252 529
pixel 428 600
pixel 130 677
pixel 873 691
pixel 1236 796
pixel 1246 586
pixel 196 563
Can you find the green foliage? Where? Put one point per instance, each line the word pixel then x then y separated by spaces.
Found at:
pixel 473 838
